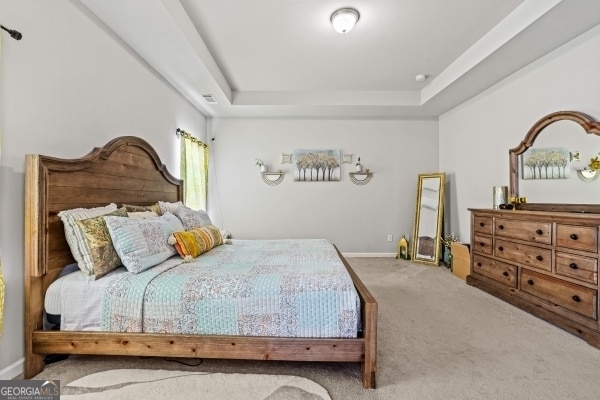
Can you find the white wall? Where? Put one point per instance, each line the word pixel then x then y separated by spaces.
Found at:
pixel 356 218
pixel 65 88
pixel 476 136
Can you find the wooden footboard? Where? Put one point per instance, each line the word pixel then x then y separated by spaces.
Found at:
pixel 128 171
pixel 362 349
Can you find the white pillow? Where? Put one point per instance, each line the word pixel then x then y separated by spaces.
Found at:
pixel 193 218
pixel 166 207
pixel 142 214
pixel 143 243
pixel 73 234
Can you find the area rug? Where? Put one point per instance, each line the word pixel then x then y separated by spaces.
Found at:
pixel 164 384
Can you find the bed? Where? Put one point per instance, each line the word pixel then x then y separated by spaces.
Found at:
pixel 128 170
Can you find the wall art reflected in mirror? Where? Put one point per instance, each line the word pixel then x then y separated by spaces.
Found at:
pixel 426 244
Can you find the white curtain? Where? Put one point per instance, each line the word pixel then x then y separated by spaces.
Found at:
pixel 194 171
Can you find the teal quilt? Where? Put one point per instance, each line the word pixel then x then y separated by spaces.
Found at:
pixel 283 288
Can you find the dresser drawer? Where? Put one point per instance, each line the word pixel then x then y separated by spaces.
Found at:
pixel 496 270
pixel 483 225
pixel 577 237
pixel 573 297
pixel 530 256
pixel 482 244
pixel 578 267
pixel 536 232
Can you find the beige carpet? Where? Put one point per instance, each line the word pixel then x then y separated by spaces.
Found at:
pixel 438 339
pixel 164 384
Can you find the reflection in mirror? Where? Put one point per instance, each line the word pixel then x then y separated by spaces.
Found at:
pixel 426 244
pixel 574 132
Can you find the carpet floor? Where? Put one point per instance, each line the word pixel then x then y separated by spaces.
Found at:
pixel 438 338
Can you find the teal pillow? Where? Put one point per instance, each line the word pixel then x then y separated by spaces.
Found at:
pixel 143 243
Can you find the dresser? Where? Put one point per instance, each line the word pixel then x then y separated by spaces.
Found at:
pixel 543 262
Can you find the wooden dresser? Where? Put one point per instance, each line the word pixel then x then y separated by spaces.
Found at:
pixel 543 262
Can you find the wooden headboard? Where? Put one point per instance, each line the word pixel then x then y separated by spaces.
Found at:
pixel 127 170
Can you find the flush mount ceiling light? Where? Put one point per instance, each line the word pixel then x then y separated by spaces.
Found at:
pixel 344 19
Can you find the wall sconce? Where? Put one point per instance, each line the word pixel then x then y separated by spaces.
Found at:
pixel 273 178
pixel 361 178
pixel 591 172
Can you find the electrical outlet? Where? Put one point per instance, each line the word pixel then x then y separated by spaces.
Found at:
pixel 390 237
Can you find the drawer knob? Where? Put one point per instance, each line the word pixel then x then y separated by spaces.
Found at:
pixel 573 266
pixel 530 281
pixel 481 224
pixel 500 226
pixel 539 258
pixel 539 231
pixel 573 236
pixel 576 298
pixel 500 248
pixel 481 244
pixel 505 273
pixel 479 264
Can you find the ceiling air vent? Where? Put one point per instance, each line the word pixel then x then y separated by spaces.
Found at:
pixel 210 99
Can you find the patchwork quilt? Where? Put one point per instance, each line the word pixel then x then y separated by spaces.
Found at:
pixel 284 288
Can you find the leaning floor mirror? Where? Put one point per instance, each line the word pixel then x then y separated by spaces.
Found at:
pixel 426 244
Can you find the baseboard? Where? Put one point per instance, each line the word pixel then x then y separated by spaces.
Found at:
pixel 350 255
pixel 13 370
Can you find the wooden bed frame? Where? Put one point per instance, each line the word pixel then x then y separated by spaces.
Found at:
pixel 128 171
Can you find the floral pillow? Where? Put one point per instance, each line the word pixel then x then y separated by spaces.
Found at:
pixel 190 244
pixel 143 243
pixel 193 218
pixel 98 253
pixel 73 233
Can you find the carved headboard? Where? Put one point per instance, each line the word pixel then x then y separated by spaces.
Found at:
pixel 127 170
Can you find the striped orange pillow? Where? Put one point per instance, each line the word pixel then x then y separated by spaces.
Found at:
pixel 190 244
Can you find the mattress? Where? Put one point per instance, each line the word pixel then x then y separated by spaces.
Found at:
pixel 283 288
pixel 77 299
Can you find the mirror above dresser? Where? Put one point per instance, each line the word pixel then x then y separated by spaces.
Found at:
pixel 550 167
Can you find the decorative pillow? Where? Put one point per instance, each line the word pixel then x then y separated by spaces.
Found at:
pixel 193 219
pixel 190 244
pixel 134 208
pixel 143 243
pixel 169 207
pixel 99 255
pixel 142 214
pixel 73 233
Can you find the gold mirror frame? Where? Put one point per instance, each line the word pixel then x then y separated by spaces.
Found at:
pixel 426 244
pixel 589 125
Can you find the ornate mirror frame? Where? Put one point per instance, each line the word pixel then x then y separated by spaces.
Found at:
pixel 429 214
pixel 589 125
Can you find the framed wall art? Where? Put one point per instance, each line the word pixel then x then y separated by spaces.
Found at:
pixel 316 165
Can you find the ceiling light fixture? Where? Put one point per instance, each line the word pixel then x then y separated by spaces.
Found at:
pixel 344 19
pixel 421 77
